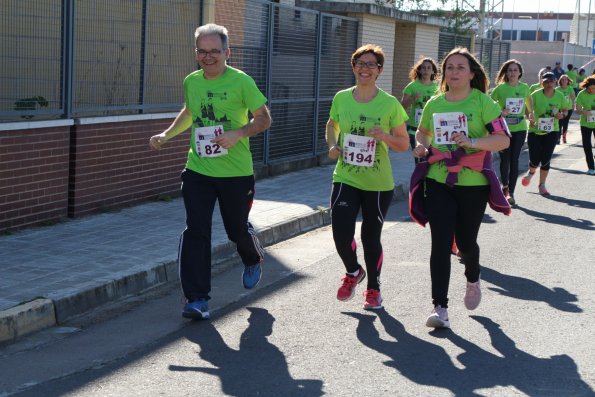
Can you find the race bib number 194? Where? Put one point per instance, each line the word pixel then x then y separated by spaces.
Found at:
pixel 446 124
pixel 204 146
pixel 359 150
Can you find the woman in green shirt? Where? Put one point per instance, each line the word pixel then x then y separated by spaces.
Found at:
pixel 423 86
pixel 565 87
pixel 549 106
pixel 364 123
pixel 460 124
pixel 514 99
pixel 585 106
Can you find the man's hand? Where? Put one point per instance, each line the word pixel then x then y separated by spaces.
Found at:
pixel 228 139
pixel 157 141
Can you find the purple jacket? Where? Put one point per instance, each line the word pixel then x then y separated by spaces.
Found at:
pixel 453 161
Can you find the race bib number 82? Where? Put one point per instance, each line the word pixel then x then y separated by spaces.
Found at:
pixel 203 137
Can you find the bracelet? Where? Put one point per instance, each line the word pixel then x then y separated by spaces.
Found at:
pixel 473 141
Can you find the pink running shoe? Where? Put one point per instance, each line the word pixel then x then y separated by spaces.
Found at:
pixel 472 295
pixel 527 179
pixel 438 318
pixel 373 299
pixel 543 191
pixel 347 288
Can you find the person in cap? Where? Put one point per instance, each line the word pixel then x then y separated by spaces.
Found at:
pixel 549 106
pixel 557 70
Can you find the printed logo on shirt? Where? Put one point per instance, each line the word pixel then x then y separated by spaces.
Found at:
pixel 207 115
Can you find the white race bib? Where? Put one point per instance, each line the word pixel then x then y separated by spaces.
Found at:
pixel 203 137
pixel 359 150
pixel 545 124
pixel 445 124
pixel 418 113
pixel 591 116
pixel 514 105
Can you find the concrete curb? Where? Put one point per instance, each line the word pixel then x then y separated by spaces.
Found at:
pixel 59 307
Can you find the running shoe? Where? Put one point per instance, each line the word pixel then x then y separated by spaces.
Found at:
pixel 542 190
pixel 564 138
pixel 438 318
pixel 527 179
pixel 472 295
pixel 348 284
pixel 506 192
pixel 511 200
pixel 197 310
pixel 591 172
pixel 251 275
pixel 373 299
pixel 454 249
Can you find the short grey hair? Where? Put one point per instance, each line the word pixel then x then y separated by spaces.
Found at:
pixel 210 29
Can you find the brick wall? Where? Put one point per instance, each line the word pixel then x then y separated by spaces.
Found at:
pixel 33 175
pixel 112 165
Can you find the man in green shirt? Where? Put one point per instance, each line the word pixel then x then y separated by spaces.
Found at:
pixel 219 167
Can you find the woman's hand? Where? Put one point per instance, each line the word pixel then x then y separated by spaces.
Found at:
pixel 461 140
pixel 420 151
pixel 377 133
pixel 334 152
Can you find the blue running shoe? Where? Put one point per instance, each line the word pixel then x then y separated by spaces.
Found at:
pixel 197 310
pixel 251 275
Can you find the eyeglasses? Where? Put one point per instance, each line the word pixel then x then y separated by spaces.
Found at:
pixel 368 65
pixel 204 53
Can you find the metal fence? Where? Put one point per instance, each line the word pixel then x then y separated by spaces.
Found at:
pixel 300 59
pixel 80 58
pixel 491 53
pixel 73 58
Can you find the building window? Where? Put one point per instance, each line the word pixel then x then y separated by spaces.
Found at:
pixel 528 35
pixel 561 36
pixel 509 35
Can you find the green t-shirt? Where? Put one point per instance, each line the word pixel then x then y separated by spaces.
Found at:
pixel 426 92
pixel 535 87
pixel 479 109
pixel 516 117
pixel 545 107
pixel 567 92
pixel 572 76
pixel 224 101
pixel 580 78
pixel 357 118
pixel 587 102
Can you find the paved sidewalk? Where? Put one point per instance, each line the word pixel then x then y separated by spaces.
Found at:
pixel 50 274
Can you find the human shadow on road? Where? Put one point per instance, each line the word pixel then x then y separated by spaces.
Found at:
pixel 257 368
pixel 558 219
pixel 429 364
pixel 590 205
pixel 534 376
pixel 530 290
pixel 569 171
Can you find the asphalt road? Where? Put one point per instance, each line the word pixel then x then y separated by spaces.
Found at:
pixel 531 335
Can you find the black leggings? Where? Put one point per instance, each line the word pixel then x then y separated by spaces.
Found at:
pixel 564 122
pixel 346 202
pixel 453 211
pixel 541 149
pixel 235 196
pixel 509 160
pixel 586 133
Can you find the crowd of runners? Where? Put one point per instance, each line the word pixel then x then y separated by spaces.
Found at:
pixel 447 117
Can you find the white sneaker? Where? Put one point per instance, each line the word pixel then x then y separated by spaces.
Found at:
pixel 438 318
pixel 472 295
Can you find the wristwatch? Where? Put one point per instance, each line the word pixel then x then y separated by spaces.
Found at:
pixel 473 140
